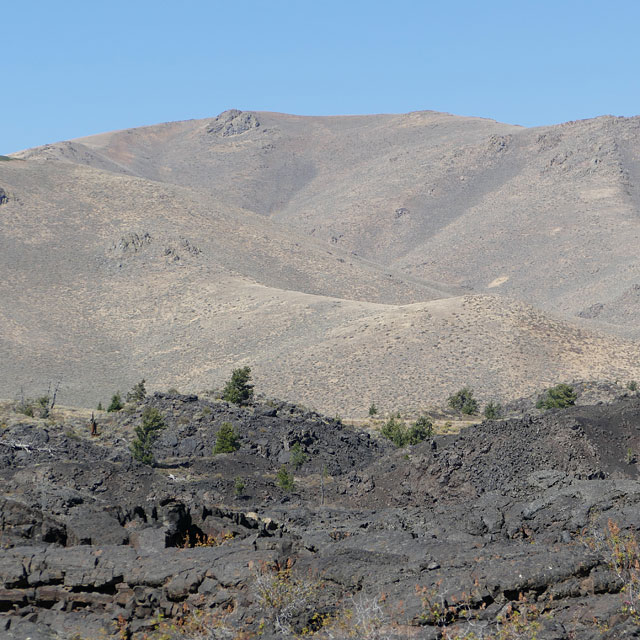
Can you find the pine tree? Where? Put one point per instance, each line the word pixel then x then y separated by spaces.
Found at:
pixel 226 439
pixel 146 434
pixel 138 393
pixel 116 403
pixel 239 390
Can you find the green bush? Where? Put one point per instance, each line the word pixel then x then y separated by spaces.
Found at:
pixel 493 410
pixel 146 434
pixel 298 456
pixel 239 390
pixel 396 430
pixel 464 401
pixel 373 410
pixel 558 397
pixel 226 439
pixel 285 479
pixel 116 403
pixel 239 486
pixel 632 385
pixel 138 393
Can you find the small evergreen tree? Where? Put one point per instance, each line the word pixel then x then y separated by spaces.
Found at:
pixel 493 410
pixel 558 397
pixel 239 487
pixel 464 401
pixel 395 429
pixel 421 429
pixel 138 393
pixel 298 456
pixel 239 390
pixel 116 403
pixel 146 434
pixel 285 479
pixel 226 439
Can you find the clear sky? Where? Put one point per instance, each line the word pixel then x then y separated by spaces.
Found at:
pixel 72 68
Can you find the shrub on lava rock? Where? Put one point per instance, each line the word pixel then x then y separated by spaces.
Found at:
pixel 558 397
pixel 239 390
pixel 146 434
pixel 226 439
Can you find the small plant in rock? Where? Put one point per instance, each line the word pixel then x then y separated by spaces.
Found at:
pixel 99 407
pixel 298 456
pixel 239 486
pixel 464 402
pixel 146 434
pixel 239 390
pixel 138 393
pixel 116 403
pixel 226 439
pixel 373 410
pixel 493 410
pixel 632 385
pixel 558 397
pixel 285 479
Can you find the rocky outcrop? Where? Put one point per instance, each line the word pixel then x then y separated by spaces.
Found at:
pixel 233 123
pixel 507 514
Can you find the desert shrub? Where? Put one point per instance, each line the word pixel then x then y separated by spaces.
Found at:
pixel 116 403
pixel 298 456
pixel 558 397
pixel 239 486
pixel 239 390
pixel 285 479
pixel 493 410
pixel 463 401
pixel 226 439
pixel 285 598
pixel 146 434
pixel 373 410
pixel 396 430
pixel 632 385
pixel 138 392
pixel 99 407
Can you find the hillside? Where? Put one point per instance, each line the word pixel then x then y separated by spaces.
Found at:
pixel 346 259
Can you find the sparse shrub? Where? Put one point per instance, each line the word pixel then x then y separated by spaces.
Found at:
pixel 239 390
pixel 558 397
pixel 146 434
pixel 298 456
pixel 226 439
pixel 99 407
pixel 285 598
pixel 172 391
pixel 373 410
pixel 632 385
pixel 285 479
pixel 464 401
pixel 116 403
pixel 239 487
pixel 493 410
pixel 138 393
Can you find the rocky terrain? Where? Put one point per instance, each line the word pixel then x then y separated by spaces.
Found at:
pixel 392 258
pixel 523 527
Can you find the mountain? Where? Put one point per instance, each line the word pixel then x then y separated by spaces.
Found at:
pixel 391 258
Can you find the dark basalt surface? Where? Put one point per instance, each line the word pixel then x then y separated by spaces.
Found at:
pixel 95 544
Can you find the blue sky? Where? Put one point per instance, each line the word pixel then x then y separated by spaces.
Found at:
pixel 72 68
